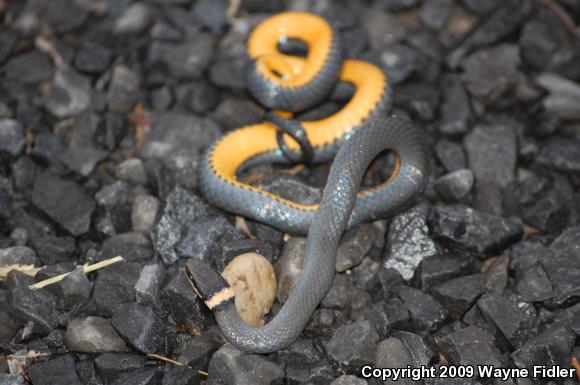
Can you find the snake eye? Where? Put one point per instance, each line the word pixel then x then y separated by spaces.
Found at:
pixel 207 283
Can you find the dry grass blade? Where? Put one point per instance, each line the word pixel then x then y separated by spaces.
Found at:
pixel 169 360
pixel 30 270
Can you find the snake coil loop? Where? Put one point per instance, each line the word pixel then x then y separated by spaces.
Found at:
pixel 354 136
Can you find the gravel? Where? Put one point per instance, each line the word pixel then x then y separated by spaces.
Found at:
pixel 107 106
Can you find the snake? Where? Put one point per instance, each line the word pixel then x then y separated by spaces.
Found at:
pixel 354 136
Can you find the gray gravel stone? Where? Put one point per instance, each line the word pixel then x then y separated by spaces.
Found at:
pixel 289 267
pixel 353 346
pixel 184 60
pixel 123 89
pixel 133 20
pixel 59 370
pixel 17 255
pixel 144 212
pixel 143 330
pixel 354 246
pixel 455 186
pixel 131 170
pixel 11 136
pixel 69 94
pixel 93 335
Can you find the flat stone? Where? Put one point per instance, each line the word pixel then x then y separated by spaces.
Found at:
pixel 386 316
pixel 92 58
pixel 148 287
pixel 560 154
pixel 183 60
pixel 131 170
pixel 450 155
pixel 353 346
pixel 59 370
pixel 507 318
pixel 473 230
pixel 109 366
pixel 425 312
pixel 73 213
pixel 69 95
pixel 459 294
pixel 82 159
pixel 143 330
pixel 93 335
pixel 30 67
pixel 115 286
pixel 472 346
pixel 144 212
pixel 145 376
pixel 130 246
pixel 123 89
pixel 354 246
pixel 17 255
pixel 535 285
pixel 456 114
pixel 291 187
pixel 455 186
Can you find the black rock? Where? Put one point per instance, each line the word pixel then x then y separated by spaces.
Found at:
pixel 11 137
pixel 183 60
pixel 60 370
pixel 228 70
pixel 8 39
pixel 110 365
pixel 496 276
pixel 320 372
pixel 35 308
pixel 29 67
pixel 181 208
pixel 420 99
pixel 532 187
pixel 82 159
pixel 435 13
pixel 92 58
pixel 9 327
pixel 229 366
pixel 552 347
pixel 291 187
pixel 399 62
pixel 459 294
pixel 147 376
pixel 535 285
pixel 408 240
pixel 395 5
pixel 5 204
pixel 548 45
pixel 114 286
pixel 131 170
pixel 471 346
pixel 562 154
pixel 93 335
pixel 185 306
pixel 148 287
pixel 17 255
pixel 424 311
pixel 289 267
pixel 385 316
pixel 131 246
pixel 349 379
pixel 501 23
pixel 212 14
pixel 123 89
pixel 198 96
pixel 87 373
pixel 503 315
pixel 491 154
pixel 115 215
pixel 492 73
pixel 303 351
pixel 24 171
pixel 53 250
pixel 455 186
pixel 473 230
pixel 456 115
pixel 47 147
pixel 338 295
pixel 451 155
pixel 197 351
pixel 73 291
pixel 386 280
pixel 133 20
pixel 204 237
pixel 563 268
pixel 181 375
pixel 353 346
pixel 143 330
pixel 562 100
pixel 73 213
pixel 549 213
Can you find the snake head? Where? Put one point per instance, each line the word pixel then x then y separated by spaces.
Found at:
pixel 208 284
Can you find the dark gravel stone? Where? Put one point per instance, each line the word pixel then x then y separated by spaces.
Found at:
pixel 388 315
pixel 181 208
pixel 320 372
pixel 349 379
pixel 73 213
pixel 395 5
pixel 291 187
pixel 93 335
pixel 198 96
pixel 183 304
pixel 503 315
pixel 229 366
pixel 11 137
pixel 145 376
pixel 211 14
pixel 70 94
pixel 420 99
pixel 548 45
pixel 289 267
pixel 92 58
pixel 123 89
pixel 183 60
pixel 233 112
pixel 131 170
pixel 115 215
pixel 87 373
pixel 549 213
pixel 17 255
pixel 492 154
pixel 228 69
pixel 115 286
pixel 8 40
pixel 353 346
pixel 563 98
pixel 455 186
pixel 450 155
pixel 435 13
pixel 131 246
pixel 458 294
pixel 456 114
pixel 143 330
pixel 386 280
pixel 408 241
pixel 204 237
pixel 24 171
pixel 337 297
pixel 562 154
pixel 399 61
pixel 60 370
pixel 563 266
pixel 148 287
pixel 471 346
pixel 496 276
pixel 197 351
pixel 475 231
pixel 110 366
pixel 82 159
pixel 73 291
pixel 492 73
pixel 552 347
pixel 535 285
pixel 36 309
pixel 9 327
pixel 53 250
pixel 30 67
pixel 354 246
pixel 424 311
pixel 133 20
pixel 234 248
pixel 501 23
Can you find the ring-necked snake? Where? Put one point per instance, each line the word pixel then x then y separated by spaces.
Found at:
pixel 359 130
